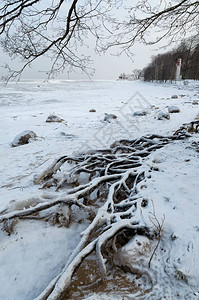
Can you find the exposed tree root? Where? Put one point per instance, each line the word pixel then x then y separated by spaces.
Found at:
pixel 108 185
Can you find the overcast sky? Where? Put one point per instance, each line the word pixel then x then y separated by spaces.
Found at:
pixel 110 67
pixel 107 66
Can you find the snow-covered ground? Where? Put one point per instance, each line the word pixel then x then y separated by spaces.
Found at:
pixel 36 252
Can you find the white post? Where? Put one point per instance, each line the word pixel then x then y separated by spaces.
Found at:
pixel 178 69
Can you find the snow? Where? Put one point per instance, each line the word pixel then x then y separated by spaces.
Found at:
pixel 175 186
pixel 36 252
pixel 33 256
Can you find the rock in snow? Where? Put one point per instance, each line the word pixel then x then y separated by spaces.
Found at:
pixel 135 254
pixel 53 118
pixel 23 138
pixel 195 102
pixel 174 97
pixel 162 115
pixel 173 109
pixel 140 113
pixel 92 110
pixel 109 117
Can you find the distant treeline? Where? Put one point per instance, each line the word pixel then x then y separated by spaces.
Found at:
pixel 163 66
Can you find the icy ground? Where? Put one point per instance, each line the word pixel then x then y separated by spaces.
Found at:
pixel 36 252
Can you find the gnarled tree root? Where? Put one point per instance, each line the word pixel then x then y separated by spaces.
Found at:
pixel 117 176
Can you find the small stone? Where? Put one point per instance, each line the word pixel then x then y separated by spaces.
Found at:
pixel 92 110
pixel 195 102
pixel 135 254
pixel 173 237
pixel 23 138
pixel 173 109
pixel 155 168
pixel 162 115
pixel 174 97
pixel 140 113
pixel 109 117
pixel 144 203
pixel 54 119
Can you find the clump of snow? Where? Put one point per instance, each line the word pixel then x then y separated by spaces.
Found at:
pixel 158 159
pixel 174 109
pixel 24 138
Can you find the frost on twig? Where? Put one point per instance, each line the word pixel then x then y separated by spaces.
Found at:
pixel 107 185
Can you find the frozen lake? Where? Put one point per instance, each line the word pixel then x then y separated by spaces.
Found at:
pixel 26 106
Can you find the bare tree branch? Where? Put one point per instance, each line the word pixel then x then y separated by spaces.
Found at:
pixel 31 29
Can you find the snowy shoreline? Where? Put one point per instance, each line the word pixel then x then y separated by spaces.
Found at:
pixel 28 254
